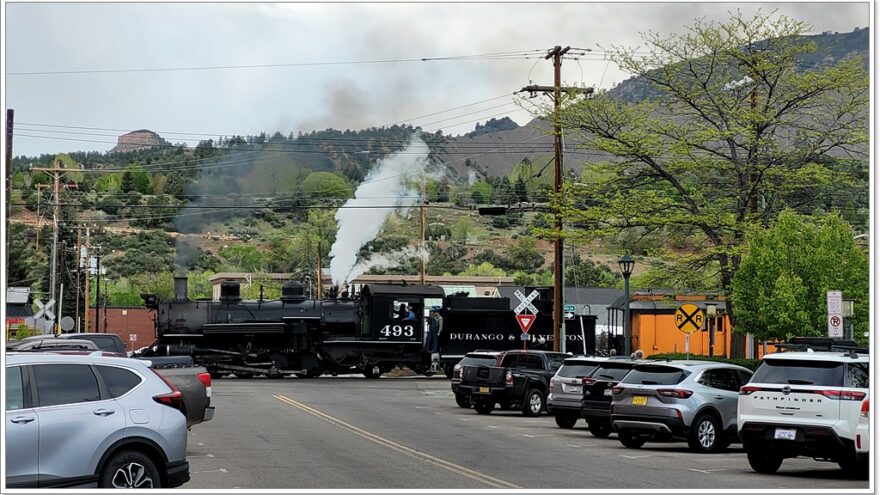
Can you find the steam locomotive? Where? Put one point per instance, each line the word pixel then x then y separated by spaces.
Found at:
pixel 360 333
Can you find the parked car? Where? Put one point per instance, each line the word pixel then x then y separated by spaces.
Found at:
pixel 488 358
pixel 51 344
pixel 92 421
pixel 690 400
pixel 595 405
pixel 567 388
pixel 194 382
pixel 804 404
pixel 863 431
pixel 521 379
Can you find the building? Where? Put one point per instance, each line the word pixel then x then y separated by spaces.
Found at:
pixel 18 309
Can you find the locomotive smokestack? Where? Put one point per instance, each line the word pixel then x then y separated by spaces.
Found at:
pixel 180 289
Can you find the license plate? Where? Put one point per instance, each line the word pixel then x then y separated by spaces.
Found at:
pixel 484 390
pixel 607 392
pixel 640 400
pixel 784 434
pixel 572 389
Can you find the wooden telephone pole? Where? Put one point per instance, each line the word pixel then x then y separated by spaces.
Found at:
pixel 556 53
pixel 56 176
pixel 10 121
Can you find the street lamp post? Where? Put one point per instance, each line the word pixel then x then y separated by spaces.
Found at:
pixel 626 263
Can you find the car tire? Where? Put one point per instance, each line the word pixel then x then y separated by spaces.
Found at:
pixel 129 469
pixel 599 429
pixel 566 421
pixel 705 435
pixel 533 403
pixel 463 401
pixel 764 462
pixel 448 371
pixel 483 406
pixel 855 466
pixel 631 440
pixel 369 374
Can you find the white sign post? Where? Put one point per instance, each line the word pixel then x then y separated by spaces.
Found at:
pixel 835 315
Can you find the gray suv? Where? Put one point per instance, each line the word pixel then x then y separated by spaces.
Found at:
pixel 690 400
pixel 88 420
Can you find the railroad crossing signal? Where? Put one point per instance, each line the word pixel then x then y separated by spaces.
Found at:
pixel 526 302
pixel 525 322
pixel 689 318
pixel 44 310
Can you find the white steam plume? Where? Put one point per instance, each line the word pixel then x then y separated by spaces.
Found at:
pixel 388 260
pixel 359 221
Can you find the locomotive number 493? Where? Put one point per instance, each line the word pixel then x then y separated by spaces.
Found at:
pixel 397 331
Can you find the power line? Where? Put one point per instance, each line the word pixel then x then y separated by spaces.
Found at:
pixel 483 56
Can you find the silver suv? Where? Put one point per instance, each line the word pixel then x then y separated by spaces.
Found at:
pixel 88 420
pixel 567 388
pixel 805 404
pixel 691 400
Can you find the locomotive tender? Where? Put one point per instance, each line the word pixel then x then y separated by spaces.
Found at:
pixel 366 334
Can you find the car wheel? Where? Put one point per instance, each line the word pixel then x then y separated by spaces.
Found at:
pixel 129 469
pixel 705 435
pixel 599 429
pixel 631 440
pixel 534 403
pixel 764 462
pixel 483 406
pixel 463 401
pixel 567 422
pixel 855 466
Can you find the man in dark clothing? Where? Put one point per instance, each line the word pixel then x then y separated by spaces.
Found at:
pixel 432 344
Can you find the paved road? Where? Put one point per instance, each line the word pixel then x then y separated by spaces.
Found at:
pixel 408 433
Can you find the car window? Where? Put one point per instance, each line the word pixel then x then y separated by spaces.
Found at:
pixel 611 373
pixel 744 376
pixel 105 343
pixel 797 372
pixel 118 380
pixel 14 390
pixel 510 360
pixel 534 363
pixel 556 361
pixel 65 384
pixel 655 375
pixel 857 375
pixel 576 370
pixel 477 361
pixel 720 379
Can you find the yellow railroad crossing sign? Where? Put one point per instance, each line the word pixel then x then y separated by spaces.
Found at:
pixel 689 318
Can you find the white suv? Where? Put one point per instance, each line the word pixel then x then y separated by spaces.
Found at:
pixel 804 404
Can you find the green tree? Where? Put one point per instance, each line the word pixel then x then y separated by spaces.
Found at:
pixel 243 257
pixel 524 254
pixel 110 183
pixel 587 273
pixel 135 178
pixel 731 134
pixel 520 189
pixel 780 288
pixel 463 228
pixel 484 269
pixel 326 185
pixel 481 191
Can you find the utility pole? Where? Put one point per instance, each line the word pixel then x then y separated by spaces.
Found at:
pixel 556 53
pixel 422 220
pixel 88 279
pixel 40 188
pixel 78 284
pixel 98 295
pixel 56 175
pixel 10 121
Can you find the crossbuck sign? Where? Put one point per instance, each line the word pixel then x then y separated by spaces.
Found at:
pixel 526 302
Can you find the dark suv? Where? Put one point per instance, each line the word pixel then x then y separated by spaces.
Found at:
pixel 595 406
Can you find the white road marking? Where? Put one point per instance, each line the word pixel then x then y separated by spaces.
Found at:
pixel 637 456
pixel 221 470
pixel 706 471
pixel 201 444
pixel 534 436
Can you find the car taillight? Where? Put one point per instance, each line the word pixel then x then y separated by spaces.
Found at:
pixel 508 380
pixel 749 390
pixel 172 399
pixel 675 392
pixel 866 408
pixel 588 381
pixel 553 383
pixel 205 378
pixel 456 374
pixel 616 390
pixel 842 394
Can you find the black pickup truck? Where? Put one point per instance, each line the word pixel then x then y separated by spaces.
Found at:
pixel 521 380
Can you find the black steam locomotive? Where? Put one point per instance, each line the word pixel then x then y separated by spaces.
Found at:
pixel 371 332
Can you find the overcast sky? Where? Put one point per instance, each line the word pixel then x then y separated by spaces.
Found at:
pixel 43 37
